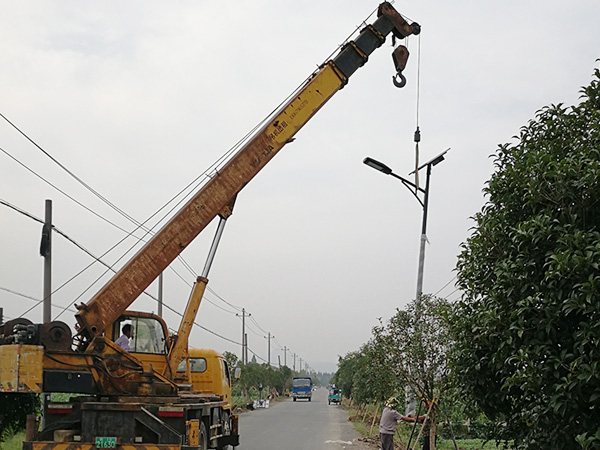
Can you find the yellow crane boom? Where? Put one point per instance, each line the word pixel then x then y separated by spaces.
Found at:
pixel 219 191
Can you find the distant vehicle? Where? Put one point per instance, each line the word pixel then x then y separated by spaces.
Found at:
pixel 335 396
pixel 302 388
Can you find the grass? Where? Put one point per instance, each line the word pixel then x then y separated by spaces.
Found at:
pixel 467 444
pixel 13 442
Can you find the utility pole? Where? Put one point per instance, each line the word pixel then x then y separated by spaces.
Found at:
pixel 160 294
pixel 294 362
pixel 46 252
pixel 269 347
pixel 284 355
pixel 244 336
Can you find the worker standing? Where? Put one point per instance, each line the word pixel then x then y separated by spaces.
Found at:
pixel 387 426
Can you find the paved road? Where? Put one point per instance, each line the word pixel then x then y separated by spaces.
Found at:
pixel 299 425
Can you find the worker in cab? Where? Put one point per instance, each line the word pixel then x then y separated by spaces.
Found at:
pixel 123 341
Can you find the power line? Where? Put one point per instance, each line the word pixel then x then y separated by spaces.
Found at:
pixel 63 192
pixel 444 286
pixel 258 325
pixel 10 291
pixel 455 290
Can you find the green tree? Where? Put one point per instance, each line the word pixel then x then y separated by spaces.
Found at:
pixel 232 360
pixel 417 344
pixel 347 369
pixel 527 335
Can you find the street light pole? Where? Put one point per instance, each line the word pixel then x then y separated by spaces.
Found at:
pixel 415 190
pixel 423 236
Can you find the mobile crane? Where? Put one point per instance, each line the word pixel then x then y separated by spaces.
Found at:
pixel 131 400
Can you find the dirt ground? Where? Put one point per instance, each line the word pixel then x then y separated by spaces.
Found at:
pixel 365 444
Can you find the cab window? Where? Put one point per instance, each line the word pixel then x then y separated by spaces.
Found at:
pixel 147 334
pixel 226 372
pixel 182 367
pixel 197 365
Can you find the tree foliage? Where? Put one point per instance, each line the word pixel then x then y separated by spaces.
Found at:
pixel 417 345
pixel 528 342
pixel 410 350
pixel 14 409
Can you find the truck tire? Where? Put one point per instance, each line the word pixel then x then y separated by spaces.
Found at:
pixel 309 399
pixel 203 437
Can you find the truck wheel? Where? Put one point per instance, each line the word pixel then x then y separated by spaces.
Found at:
pixel 329 401
pixel 294 398
pixel 309 399
pixel 203 437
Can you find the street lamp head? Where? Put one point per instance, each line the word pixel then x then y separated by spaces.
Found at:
pixel 377 165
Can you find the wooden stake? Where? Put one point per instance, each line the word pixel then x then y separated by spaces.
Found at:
pixel 374 417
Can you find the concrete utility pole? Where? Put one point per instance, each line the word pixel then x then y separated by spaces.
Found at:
pixel 284 355
pixel 294 362
pixel 244 336
pixel 160 294
pixel 46 252
pixel 269 347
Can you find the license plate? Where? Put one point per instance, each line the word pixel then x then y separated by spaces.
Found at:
pixel 106 442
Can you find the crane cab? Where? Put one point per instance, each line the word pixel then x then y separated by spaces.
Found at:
pixel 148 339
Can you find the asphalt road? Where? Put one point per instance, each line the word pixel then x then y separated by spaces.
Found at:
pixel 299 425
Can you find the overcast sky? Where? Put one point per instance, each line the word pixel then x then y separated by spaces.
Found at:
pixel 139 98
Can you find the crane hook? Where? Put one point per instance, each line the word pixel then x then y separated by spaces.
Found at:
pixel 402 82
pixel 400 57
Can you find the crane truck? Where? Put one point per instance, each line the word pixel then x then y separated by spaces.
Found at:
pixel 132 399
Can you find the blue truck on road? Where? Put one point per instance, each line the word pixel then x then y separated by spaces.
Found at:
pixel 302 388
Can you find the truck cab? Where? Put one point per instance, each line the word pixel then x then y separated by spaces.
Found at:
pixel 207 372
pixel 302 388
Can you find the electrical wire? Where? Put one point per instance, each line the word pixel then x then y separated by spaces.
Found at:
pixel 10 291
pixel 258 325
pixel 62 192
pixel 451 293
pixel 444 286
